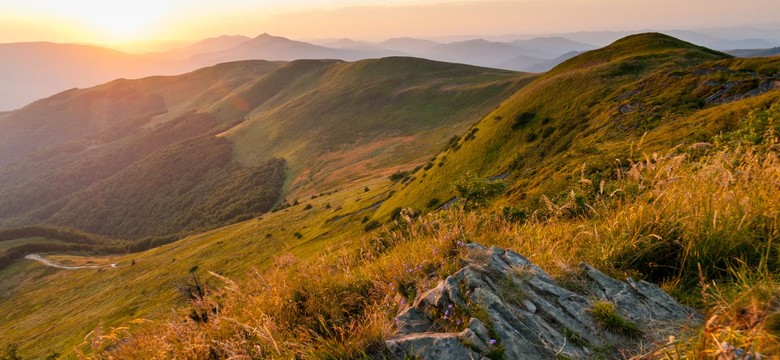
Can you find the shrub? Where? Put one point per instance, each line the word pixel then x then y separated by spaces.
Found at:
pixel 398 176
pixel 371 225
pixel 433 203
pixel 471 135
pixel 523 119
pixel 476 192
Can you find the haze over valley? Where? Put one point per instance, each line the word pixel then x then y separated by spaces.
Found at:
pixel 482 179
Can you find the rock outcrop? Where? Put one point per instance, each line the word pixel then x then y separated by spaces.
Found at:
pixel 500 305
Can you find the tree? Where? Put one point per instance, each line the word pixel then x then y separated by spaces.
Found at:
pixel 476 192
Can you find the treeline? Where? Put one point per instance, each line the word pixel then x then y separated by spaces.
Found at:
pixel 74 241
pixel 52 232
pixel 189 186
pixel 40 185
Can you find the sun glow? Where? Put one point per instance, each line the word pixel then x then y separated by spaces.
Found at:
pixel 115 20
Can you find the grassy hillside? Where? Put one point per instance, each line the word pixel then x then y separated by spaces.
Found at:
pixel 708 220
pixel 85 166
pixel 146 285
pixel 189 186
pixel 15 243
pixel 679 187
pixel 74 145
pixel 580 117
pixel 343 119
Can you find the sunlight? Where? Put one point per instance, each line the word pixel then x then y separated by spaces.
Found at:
pixel 116 21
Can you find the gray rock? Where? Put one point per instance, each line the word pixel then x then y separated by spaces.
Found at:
pixel 412 320
pixel 473 341
pixel 430 346
pixel 479 329
pixel 525 312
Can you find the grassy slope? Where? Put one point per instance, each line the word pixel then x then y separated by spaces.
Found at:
pixel 590 110
pixel 45 309
pixel 105 110
pixel 158 272
pixel 324 121
pixel 347 118
pixel 77 141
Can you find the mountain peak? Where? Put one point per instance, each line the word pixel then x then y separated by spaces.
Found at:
pixel 267 36
pixel 642 44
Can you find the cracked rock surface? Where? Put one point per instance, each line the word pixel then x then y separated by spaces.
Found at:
pixel 500 305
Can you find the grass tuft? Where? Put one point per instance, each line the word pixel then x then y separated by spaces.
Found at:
pixel 607 317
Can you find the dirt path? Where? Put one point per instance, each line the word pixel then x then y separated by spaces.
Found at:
pixel 57 265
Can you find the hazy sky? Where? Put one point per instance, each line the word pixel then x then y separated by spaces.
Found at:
pixel 114 21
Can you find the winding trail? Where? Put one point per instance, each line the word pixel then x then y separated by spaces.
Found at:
pixel 57 265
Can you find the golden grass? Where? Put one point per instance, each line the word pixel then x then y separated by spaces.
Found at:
pixel 698 223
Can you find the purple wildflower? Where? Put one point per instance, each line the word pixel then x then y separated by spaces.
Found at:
pixel 492 341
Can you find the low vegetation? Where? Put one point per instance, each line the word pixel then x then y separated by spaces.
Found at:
pixel 607 317
pixel 36 239
pixel 193 185
pixel 651 158
pixel 714 217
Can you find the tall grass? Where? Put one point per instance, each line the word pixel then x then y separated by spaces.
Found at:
pixel 705 225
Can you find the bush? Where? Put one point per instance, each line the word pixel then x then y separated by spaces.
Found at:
pixel 433 203
pixel 476 192
pixel 371 225
pixel 399 175
pixel 523 119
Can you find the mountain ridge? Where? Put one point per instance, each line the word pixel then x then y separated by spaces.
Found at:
pixel 621 156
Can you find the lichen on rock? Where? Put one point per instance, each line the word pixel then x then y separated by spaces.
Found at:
pixel 501 305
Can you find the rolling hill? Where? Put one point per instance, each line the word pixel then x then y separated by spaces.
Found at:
pixel 755 52
pixel 161 156
pixel 589 110
pixel 307 280
pixel 31 71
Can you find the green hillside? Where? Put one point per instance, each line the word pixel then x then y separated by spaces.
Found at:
pixel 119 176
pixel 334 120
pixel 145 285
pixel 189 186
pixel 82 144
pixel 650 158
pixel 577 119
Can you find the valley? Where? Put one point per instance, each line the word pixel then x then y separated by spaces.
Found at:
pixel 291 209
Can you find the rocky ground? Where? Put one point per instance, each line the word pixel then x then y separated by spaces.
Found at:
pixel 500 305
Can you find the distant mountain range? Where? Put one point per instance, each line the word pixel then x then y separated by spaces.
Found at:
pixel 30 71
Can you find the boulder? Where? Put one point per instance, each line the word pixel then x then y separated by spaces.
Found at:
pixel 502 305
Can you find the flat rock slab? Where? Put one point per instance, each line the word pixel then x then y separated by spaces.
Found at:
pixel 506 306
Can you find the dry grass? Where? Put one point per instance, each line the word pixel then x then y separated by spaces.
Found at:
pixel 705 225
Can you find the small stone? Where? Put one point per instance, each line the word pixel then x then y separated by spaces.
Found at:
pixel 529 305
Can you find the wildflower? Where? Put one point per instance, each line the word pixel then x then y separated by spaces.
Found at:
pixel 492 341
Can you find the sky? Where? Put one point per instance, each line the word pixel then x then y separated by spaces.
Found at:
pixel 116 22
